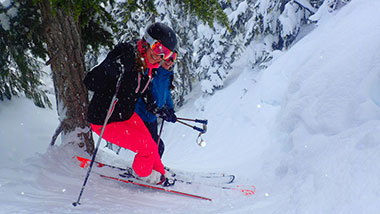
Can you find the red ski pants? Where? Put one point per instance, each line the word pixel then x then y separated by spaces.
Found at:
pixel 132 134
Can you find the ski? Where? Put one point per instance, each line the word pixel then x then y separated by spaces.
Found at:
pixel 245 189
pixel 157 188
pixel 210 179
pixel 202 178
pixel 125 174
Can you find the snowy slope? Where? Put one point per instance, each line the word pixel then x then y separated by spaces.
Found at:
pixel 305 131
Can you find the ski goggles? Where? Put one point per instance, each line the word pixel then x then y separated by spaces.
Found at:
pixel 160 49
pixel 172 58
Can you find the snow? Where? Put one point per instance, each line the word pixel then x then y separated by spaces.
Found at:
pixel 10 13
pixel 4 21
pixel 24 130
pixel 323 11
pixel 234 16
pixel 5 3
pixel 305 132
pixel 306 4
pixel 289 19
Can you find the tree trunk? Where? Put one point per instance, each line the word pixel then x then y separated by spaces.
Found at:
pixel 62 34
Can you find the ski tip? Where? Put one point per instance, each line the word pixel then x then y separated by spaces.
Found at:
pixel 232 179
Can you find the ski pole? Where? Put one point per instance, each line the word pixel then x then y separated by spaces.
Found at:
pixel 194 127
pixel 194 120
pixel 159 135
pixel 109 113
pixel 199 139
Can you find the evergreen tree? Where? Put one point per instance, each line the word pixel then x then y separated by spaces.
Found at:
pixel 20 46
pixel 262 26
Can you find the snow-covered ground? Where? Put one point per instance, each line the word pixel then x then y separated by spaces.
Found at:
pixel 305 131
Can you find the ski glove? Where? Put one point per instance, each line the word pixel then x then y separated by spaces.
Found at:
pixel 167 114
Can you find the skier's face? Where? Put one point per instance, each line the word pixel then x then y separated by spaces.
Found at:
pixel 167 64
pixel 153 58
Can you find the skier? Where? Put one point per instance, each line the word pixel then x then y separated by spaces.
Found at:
pixel 125 128
pixel 160 87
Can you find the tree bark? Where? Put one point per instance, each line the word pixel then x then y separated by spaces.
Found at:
pixel 63 39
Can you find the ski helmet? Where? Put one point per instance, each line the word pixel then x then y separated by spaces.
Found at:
pixel 162 33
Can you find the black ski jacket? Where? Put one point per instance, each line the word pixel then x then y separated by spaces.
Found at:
pixel 102 81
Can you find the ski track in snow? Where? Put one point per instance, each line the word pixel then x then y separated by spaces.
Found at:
pixel 305 131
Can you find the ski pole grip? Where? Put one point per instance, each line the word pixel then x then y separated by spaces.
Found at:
pixel 201 121
pixel 199 129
